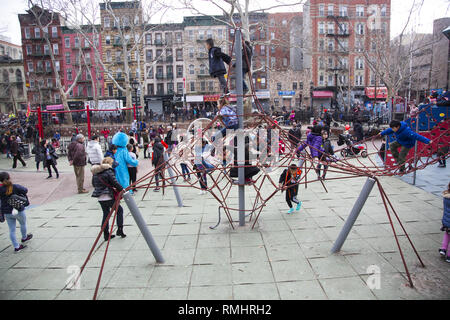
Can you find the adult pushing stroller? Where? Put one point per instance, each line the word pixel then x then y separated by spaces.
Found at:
pixel 351 149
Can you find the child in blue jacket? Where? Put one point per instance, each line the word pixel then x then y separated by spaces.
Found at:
pixel 445 247
pixel 406 139
pixel 123 159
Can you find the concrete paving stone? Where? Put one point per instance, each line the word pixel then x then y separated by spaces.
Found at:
pixel 65 259
pixel 44 232
pixel 435 261
pixel 324 222
pixel 383 244
pixel 411 259
pixel 255 272
pixel 170 276
pixel 37 295
pixel 156 230
pixel 75 295
pixel 292 270
pixel 303 222
pixel 372 231
pixel 424 242
pixel 248 254
pixel 392 286
pixel 88 279
pixel 216 274
pixel 84 244
pixel 69 232
pixel 49 279
pixel 346 288
pixel 181 241
pixel 36 259
pixel 355 246
pixel 274 238
pixel 301 290
pixel 316 249
pixel 9 258
pixel 250 239
pixel 309 235
pixel 138 258
pixel 168 293
pixel 273 225
pixel 121 294
pixel 188 218
pixel 185 229
pixel 18 279
pixel 8 294
pixel 160 219
pixel 363 263
pixel 259 291
pixel 130 277
pixel 212 256
pixel 285 252
pixel 210 293
pixel 55 245
pixel 341 267
pixel 431 284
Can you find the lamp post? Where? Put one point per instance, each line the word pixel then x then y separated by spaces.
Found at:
pixel 135 86
pixel 311 89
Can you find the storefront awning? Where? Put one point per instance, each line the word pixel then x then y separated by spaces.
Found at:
pixel 382 92
pixel 194 98
pixel 322 94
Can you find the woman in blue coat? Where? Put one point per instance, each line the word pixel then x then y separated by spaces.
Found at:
pixel 406 139
pixel 123 158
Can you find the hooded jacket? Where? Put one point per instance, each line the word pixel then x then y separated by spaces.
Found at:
pixel 446 216
pixel 158 154
pixel 76 153
pixel 216 58
pixel 104 180
pixel 123 158
pixel 94 152
pixel 405 136
pixel 314 141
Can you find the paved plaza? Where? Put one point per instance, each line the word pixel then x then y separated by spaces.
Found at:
pixel 283 257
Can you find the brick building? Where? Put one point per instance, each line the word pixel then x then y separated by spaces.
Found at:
pixel 338 34
pixel 40 75
pixel 440 75
pixel 12 85
pixel 77 51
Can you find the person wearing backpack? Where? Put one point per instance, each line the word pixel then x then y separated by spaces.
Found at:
pixel 8 191
pixel 227 114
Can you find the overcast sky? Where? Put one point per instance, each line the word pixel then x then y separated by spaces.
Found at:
pixel 422 20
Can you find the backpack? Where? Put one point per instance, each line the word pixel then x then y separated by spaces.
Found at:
pixel 18 202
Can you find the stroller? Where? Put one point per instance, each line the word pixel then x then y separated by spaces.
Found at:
pixel 352 149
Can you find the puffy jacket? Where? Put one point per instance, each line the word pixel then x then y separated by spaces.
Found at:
pixel 358 129
pixel 216 59
pixel 94 152
pixel 314 141
pixel 123 158
pixel 446 216
pixel 405 136
pixel 104 180
pixel 327 148
pixel 76 153
pixel 158 154
pixel 17 189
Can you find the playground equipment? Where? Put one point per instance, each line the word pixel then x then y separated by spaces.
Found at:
pixel 268 161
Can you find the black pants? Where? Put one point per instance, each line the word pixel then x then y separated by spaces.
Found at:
pixel 49 163
pixel 145 150
pixel 106 207
pixel 18 157
pixel 133 172
pixel 291 194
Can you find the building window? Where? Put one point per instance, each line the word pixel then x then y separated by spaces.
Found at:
pixel 285 62
pixel 29 49
pixel 148 55
pixel 107 39
pixel 179 37
pixel 343 11
pixel 148 38
pixel 48 66
pixel 360 11
pixel 278 86
pixel 69 74
pixel 263 50
pixel 330 10
pixel 30 66
pixel 330 28
pixel 149 72
pixel 330 80
pixel 321 28
pixel 179 87
pixel 321 79
pixel 191 35
pixel 55 49
pixel 179 71
pixel 383 10
pixel 359 63
pixel 321 45
pixel 150 89
pixel 192 86
pixel 37 33
pixel 294 85
pixel 202 69
pixel 67 42
pixel 330 45
pixel 27 33
pixel 360 28
pixel 191 69
pixel 54 32
pixel 321 10
pixel 107 22
pixel 170 88
pixel 67 57
pixel 158 39
pixel 160 89
pixel 321 63
pixel 359 80
pixel 202 86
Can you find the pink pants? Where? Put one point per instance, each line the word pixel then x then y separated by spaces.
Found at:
pixel 446 243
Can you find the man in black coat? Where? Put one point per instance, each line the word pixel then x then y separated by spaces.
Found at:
pixel 358 129
pixel 295 135
pixel 216 63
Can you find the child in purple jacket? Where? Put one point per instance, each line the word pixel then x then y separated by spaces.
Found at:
pixel 314 141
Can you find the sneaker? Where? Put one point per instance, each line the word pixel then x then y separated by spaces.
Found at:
pixel 156 190
pixel 442 252
pixel 299 205
pixel 290 211
pixel 202 192
pixel 83 191
pixel 441 166
pixel 29 236
pixel 49 177
pixel 57 175
pixel 447 259
pixel 20 248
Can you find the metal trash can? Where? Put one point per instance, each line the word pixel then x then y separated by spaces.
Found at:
pixel 25 150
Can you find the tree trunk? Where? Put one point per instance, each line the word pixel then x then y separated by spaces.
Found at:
pixel 66 108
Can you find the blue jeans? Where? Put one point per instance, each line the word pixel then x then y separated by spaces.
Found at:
pixel 12 226
pixel 185 170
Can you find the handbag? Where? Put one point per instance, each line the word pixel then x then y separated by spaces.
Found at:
pixel 18 202
pixel 115 192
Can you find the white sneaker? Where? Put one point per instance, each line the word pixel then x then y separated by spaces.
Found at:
pixel 202 192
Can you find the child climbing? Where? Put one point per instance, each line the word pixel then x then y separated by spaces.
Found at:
pixel 314 141
pixel 445 247
pixel 326 155
pixel 406 139
pixel 289 181
pixel 216 67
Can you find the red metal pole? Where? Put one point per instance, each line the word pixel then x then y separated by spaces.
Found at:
pixel 88 118
pixel 41 128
